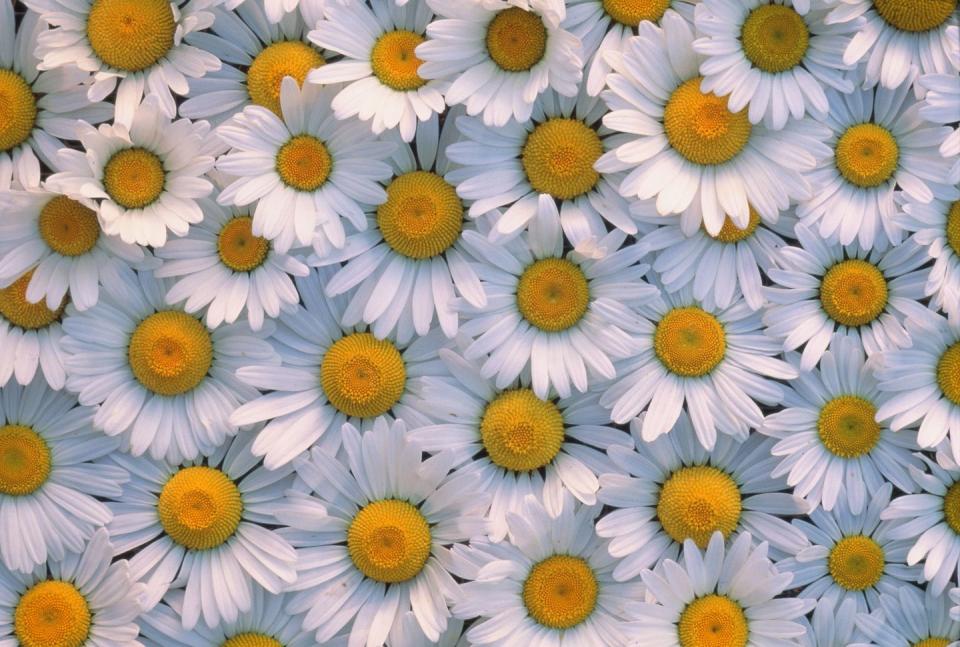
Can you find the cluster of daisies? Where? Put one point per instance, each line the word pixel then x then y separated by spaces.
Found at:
pixel 520 323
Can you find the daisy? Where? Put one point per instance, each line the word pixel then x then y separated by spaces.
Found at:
pixel 910 618
pixel 30 336
pixel 330 375
pixel 305 171
pixel 81 600
pixel 877 141
pixel 200 526
pixel 822 288
pixel 141 180
pixel 379 64
pixel 897 38
pixel 516 443
pixel 405 270
pixel 773 56
pixel 720 597
pixel 937 227
pixel 498 58
pixel 671 490
pixel 161 379
pixel 135 47
pixel 550 584
pixel 373 533
pixel 714 363
pixel 221 266
pixel 686 146
pixel 559 316
pixel 941 105
pixel 40 108
pixel 60 239
pixel 50 476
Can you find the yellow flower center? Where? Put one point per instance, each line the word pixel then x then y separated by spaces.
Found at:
pixel 252 639
pixel 948 373
pixel 951 507
pixel 730 233
pixel 363 376
pixel 933 642
pixel 68 227
pixel 516 39
pixel 422 216
pixel 558 158
pixel 856 562
pixel 394 62
pixel 553 294
pixel 697 501
pixel 170 352
pixel 19 113
pixel 15 308
pixel 238 248
pixel 775 38
pixel 713 621
pixel 52 613
pixel 520 431
pixel 304 163
pixel 701 128
pixel 268 69
pixel 632 12
pixel 689 341
pixel 847 426
pixel 199 507
pixel 915 15
pixel 953 227
pixel 134 178
pixel 853 292
pixel 389 541
pixel 131 35
pixel 560 592
pixel 24 460
pixel 867 155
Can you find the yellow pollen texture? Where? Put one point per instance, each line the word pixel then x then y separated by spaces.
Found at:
pixel 516 39
pixel 389 541
pixel 422 217
pixel 134 178
pixel 363 376
pixel 558 158
pixel 713 621
pixel 170 352
pixel 951 507
pixel 915 15
pixel 632 12
pixel 394 62
pixel 15 308
pixel 520 431
pixel 953 227
pixel 68 227
pixel 304 163
pixel 130 35
pixel 252 639
pixel 853 292
pixel 948 373
pixel 52 613
pixel 867 155
pixel 730 233
pixel 701 128
pixel 847 426
pixel 932 642
pixel 268 69
pixel 19 112
pixel 238 248
pixel 560 592
pixel 24 460
pixel 553 294
pixel 856 562
pixel 200 507
pixel 775 38
pixel 697 501
pixel 689 341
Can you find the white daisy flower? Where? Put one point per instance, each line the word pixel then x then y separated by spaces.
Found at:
pixel 81 600
pixel 559 316
pixel 896 38
pixel 671 490
pixel 831 444
pixel 852 555
pixel 405 270
pixel 221 266
pixel 30 336
pixel 550 584
pixel 822 287
pixel 141 181
pixel 543 165
pixel 687 147
pixel 714 363
pixel 373 532
pixel 937 227
pixel 941 105
pixel 161 379
pixel 200 526
pixel 61 240
pixel 305 171
pixel 50 476
pixel 498 58
pixel 910 618
pixel 379 64
pixel 135 47
pixel 773 56
pixel 330 375
pixel 877 141
pixel 40 108
pixel 832 625
pixel 516 443
pixel 720 597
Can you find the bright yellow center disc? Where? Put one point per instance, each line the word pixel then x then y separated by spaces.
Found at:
pixel 856 562
pixel 520 431
pixel 252 639
pixel 52 613
pixel 701 128
pixel 134 177
pixel 558 158
pixel 24 460
pixel 933 642
pixel 951 507
pixel 775 38
pixel 713 621
pixel 15 308
pixel 170 352
pixel 19 113
pixel 867 155
pixel 689 341
pixel 394 62
pixel 516 39
pixel 268 69
pixel 68 227
pixel 948 373
pixel 389 541
pixel 915 15
pixel 238 248
pixel 422 217
pixel 632 12
pixel 363 376
pixel 560 592
pixel 953 227
pixel 131 35
pixel 847 426
pixel 304 163
pixel 730 233
pixel 553 294
pixel 200 507
pixel 853 292
pixel 697 501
